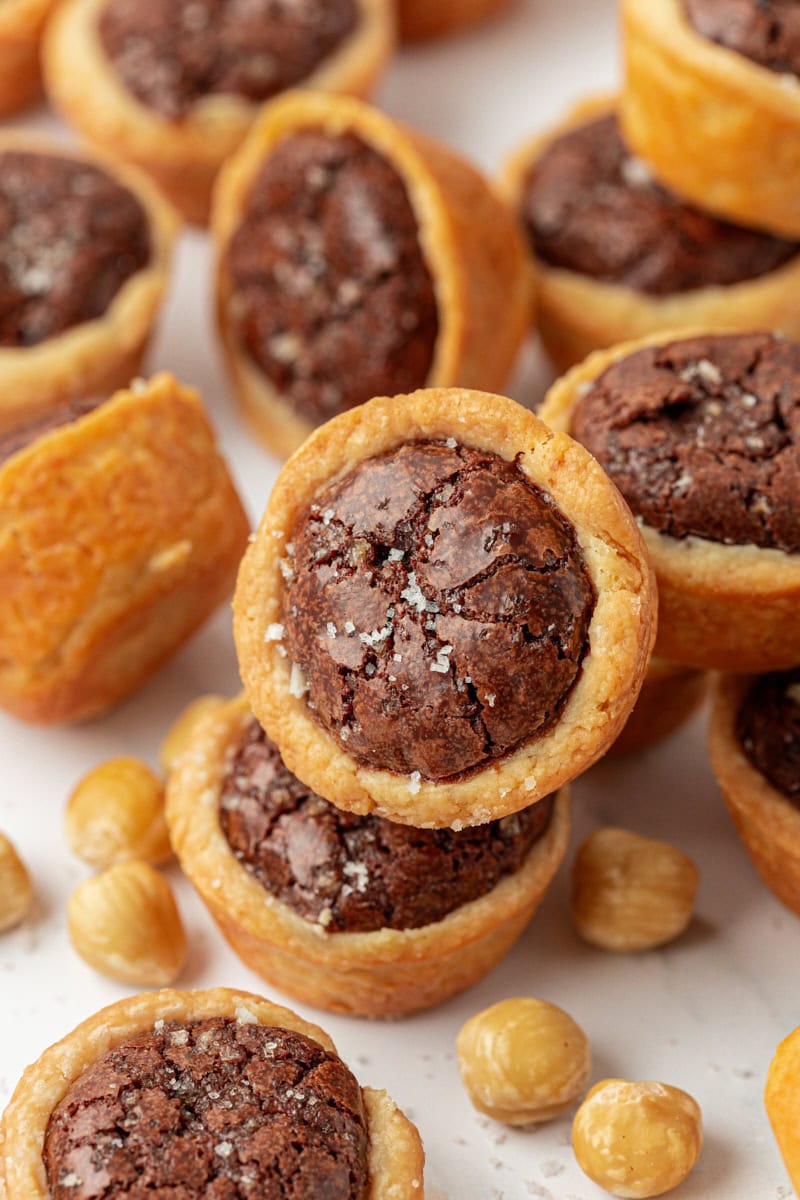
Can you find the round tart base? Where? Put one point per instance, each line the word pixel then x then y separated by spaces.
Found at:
pixel 95 357
pixel 741 120
pixel 396 1158
pixel 183 157
pixel 767 822
pixel 121 533
pixel 421 19
pixel 21 25
pixel 725 608
pixel 388 973
pixel 469 241
pixel 620 634
pixel 577 315
pixel 670 695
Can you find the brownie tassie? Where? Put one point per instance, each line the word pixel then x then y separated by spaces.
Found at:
pixel 21 25
pixel 755 752
pixel 356 259
pixel 670 695
pixel 446 612
pixel 702 437
pixel 200 1094
pixel 174 85
pixel 85 251
pixel 120 532
pixel 349 913
pixel 618 256
pixel 712 101
pixel 420 19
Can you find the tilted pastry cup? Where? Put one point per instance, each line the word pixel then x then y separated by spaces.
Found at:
pixel 396 1158
pixel 386 973
pixel 21 26
pixel 120 532
pixel 578 314
pixel 721 607
pixel 717 127
pixel 469 240
pixel 183 157
pixel 620 633
pixel 433 18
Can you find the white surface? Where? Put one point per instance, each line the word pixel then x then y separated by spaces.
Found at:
pixel 704 1014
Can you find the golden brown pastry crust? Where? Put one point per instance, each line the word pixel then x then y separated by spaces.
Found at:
pixel 578 314
pixel 183 157
pixel 119 534
pixel 388 973
pixel 21 25
pixel 396 1158
pixel 620 634
pixel 767 822
pixel 741 120
pixel 432 18
pixel 670 695
pixel 470 242
pixel 781 1095
pixel 95 357
pixel 726 608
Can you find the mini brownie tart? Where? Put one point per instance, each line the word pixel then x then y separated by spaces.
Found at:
pixel 446 613
pixel 174 85
pixel 359 259
pixel 349 913
pixel 712 101
pixel 618 256
pixel 755 752
pixel 200 1094
pixel 85 251
pixel 702 436
pixel 423 19
pixel 21 25
pixel 120 532
pixel 670 695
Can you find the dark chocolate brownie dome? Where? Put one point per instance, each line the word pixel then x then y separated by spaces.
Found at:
pixel 765 31
pixel 768 728
pixel 437 610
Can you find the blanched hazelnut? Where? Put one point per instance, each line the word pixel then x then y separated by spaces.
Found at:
pixel 125 923
pixel 182 730
pixel 631 892
pixel 637 1139
pixel 116 813
pixel 16 890
pixel 523 1061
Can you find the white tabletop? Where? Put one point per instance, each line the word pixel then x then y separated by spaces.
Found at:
pixel 705 1013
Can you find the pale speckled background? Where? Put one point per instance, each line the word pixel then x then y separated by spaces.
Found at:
pixel 705 1013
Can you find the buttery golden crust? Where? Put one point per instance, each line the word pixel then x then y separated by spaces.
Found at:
pixel 725 608
pixel 21 25
pixel 396 1158
pixel 670 695
pixel 183 157
pixel 96 357
pixel 767 822
pixel 423 19
pixel 470 242
pixel 620 635
pixel 388 973
pixel 781 1096
pixel 119 534
pixel 578 314
pixel 741 120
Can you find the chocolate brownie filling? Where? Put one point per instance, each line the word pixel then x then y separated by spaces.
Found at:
pixel 172 53
pixel 437 610
pixel 27 432
pixel 214 1108
pixel 70 237
pixel 592 207
pixel 765 31
pixel 768 729
pixel 359 874
pixel 331 296
pixel 702 437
